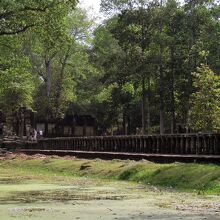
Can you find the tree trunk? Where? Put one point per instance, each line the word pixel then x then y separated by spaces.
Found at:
pixel 129 124
pixel 192 64
pixel 172 90
pixel 148 106
pixel 59 90
pixel 48 75
pixel 49 86
pixel 125 123
pixel 161 89
pixel 161 94
pixel 143 106
pixel 59 84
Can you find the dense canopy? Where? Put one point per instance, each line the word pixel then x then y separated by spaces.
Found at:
pixel 149 67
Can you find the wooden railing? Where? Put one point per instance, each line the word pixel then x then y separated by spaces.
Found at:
pixel 195 144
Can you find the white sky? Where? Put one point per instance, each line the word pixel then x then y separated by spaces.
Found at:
pixel 92 7
pixel 94 4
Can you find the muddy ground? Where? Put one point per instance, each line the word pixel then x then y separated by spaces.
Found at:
pixel 31 196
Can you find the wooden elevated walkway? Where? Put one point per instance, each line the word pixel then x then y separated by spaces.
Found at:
pixel 181 147
pixel 196 144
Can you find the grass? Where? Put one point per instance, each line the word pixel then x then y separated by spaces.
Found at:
pixel 186 177
pixel 202 178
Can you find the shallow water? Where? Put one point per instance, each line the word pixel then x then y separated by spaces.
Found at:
pixel 91 199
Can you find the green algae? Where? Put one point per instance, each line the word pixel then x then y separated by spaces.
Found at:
pixel 61 189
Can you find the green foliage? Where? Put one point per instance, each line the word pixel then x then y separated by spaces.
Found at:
pixel 17 89
pixel 159 43
pixel 59 53
pixel 205 101
pixel 48 60
pixel 133 69
pixel 16 80
pixel 18 16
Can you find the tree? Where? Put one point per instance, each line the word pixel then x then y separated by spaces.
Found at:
pixel 205 101
pixel 133 31
pixel 17 69
pixel 163 42
pixel 54 54
pixel 109 59
pixel 17 16
pixel 16 80
pixel 135 72
pixel 59 57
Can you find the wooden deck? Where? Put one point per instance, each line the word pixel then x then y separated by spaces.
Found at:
pixel 177 147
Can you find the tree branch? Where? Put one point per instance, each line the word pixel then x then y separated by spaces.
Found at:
pixel 28 8
pixel 11 32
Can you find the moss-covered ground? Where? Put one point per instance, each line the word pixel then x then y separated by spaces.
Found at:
pixel 200 178
pixel 54 188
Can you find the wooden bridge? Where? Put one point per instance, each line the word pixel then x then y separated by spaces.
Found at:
pixel 184 147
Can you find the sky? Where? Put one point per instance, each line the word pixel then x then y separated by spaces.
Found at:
pixel 94 4
pixel 92 7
